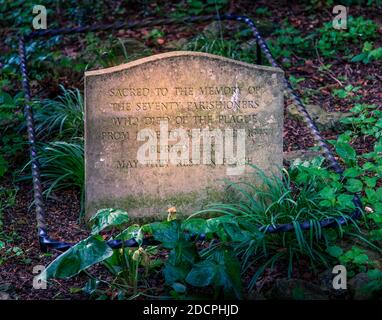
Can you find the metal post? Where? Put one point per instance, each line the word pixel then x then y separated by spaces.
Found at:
pixel 258 54
pixel 28 112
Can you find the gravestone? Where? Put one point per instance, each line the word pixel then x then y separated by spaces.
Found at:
pixel 167 130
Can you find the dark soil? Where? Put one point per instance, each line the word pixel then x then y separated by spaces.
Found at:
pixel 17 272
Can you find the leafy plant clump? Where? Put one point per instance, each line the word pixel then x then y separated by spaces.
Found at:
pixel 11 141
pixel 235 240
pixel 334 41
pixel 60 122
pixel 364 170
pixel 62 118
pixel 368 54
pixel 62 166
pixel 186 265
pixel 289 41
pixel 198 7
pixel 224 47
pixel 300 195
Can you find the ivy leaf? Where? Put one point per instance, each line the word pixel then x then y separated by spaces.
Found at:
pixel 371 181
pixel 368 166
pixel 379 193
pixel 105 218
pixel 345 151
pixel 352 172
pixel 371 195
pixel 354 185
pixel 378 207
pixel 345 200
pixel 361 259
pixel 328 193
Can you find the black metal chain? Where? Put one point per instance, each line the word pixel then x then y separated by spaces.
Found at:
pixel 45 241
pixel 37 188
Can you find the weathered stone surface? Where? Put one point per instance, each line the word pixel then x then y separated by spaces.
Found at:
pixel 357 285
pixel 323 119
pixel 176 97
pixel 303 155
pixel 325 280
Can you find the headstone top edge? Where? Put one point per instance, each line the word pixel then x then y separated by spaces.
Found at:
pixel 171 54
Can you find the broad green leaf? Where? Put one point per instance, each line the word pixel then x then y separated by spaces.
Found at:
pixel 179 287
pixel 374 274
pixel 5 98
pixel 379 193
pixel 371 195
pixel 166 232
pixel 214 223
pixel 228 275
pixel 105 218
pixel 325 203
pixel 131 232
pixel 232 273
pixel 328 193
pixel 368 166
pixel 335 251
pixel 114 263
pixel 352 172
pixel 235 232
pixel 376 234
pixel 361 259
pixel 354 185
pixel 345 151
pixel 345 200
pixel 377 218
pixel 195 226
pixel 175 273
pixel 371 181
pixel 84 254
pixel 202 274
pixel 183 252
pixel 378 207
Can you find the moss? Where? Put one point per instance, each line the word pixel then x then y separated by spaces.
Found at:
pixel 156 207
